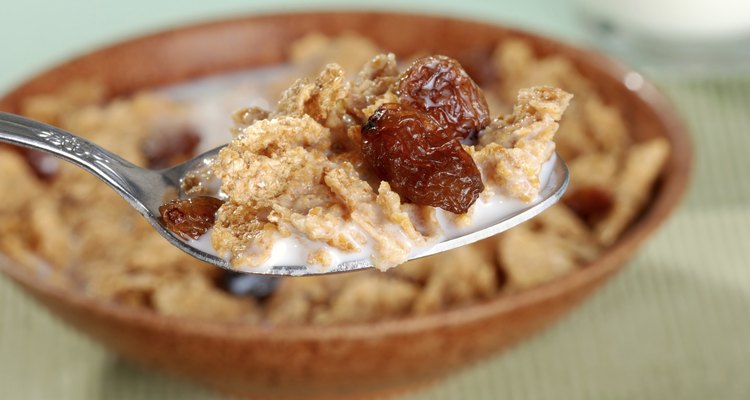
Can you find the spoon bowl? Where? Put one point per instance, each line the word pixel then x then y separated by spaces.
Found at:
pixel 146 190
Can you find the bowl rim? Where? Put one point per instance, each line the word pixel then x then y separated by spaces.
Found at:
pixel 672 190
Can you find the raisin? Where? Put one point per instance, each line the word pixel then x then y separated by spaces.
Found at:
pixel 591 203
pixel 165 150
pixel 190 218
pixel 439 86
pixel 406 148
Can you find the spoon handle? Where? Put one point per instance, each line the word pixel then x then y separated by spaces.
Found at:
pixel 118 173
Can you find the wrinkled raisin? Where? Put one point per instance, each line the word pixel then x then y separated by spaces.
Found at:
pixel 439 86
pixel 166 150
pixel 404 147
pixel 590 203
pixel 190 218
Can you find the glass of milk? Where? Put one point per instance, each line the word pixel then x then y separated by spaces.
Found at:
pixel 708 35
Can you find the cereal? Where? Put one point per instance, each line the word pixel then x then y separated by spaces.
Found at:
pixel 641 167
pixel 314 51
pixel 72 98
pixel 373 86
pixel 53 235
pixel 461 277
pixel 512 149
pixel 367 299
pixel 63 228
pixel 194 297
pixel 300 168
pixel 589 125
pixel 548 247
pixel 245 117
pixel 18 185
pixel 595 169
pixel 275 161
pixel 390 247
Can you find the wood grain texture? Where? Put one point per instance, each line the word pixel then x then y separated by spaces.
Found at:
pixel 356 361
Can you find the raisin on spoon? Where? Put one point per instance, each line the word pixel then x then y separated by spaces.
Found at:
pixel 407 148
pixel 414 144
pixel 190 218
pixel 439 86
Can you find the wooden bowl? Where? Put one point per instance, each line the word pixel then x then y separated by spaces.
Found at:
pixel 356 360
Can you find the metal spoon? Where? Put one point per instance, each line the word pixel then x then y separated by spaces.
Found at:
pixel 146 189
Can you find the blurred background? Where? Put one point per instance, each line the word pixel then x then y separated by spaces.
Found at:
pixel 674 324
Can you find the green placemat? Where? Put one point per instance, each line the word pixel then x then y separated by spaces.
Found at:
pixel 675 324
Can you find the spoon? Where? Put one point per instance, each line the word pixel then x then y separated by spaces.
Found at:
pixel 146 190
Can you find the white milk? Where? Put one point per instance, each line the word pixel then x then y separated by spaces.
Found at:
pixel 293 250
